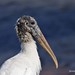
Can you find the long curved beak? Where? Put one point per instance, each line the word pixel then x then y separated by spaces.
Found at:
pixel 42 41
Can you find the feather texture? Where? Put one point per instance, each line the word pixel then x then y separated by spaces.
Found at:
pixel 26 62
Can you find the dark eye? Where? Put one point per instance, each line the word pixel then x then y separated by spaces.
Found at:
pixel 32 22
pixel 26 23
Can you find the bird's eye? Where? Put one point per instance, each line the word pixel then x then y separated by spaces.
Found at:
pixel 32 22
pixel 26 23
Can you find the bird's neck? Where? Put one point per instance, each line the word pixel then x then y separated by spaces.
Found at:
pixel 29 48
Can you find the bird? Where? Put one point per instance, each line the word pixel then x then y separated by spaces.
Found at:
pixel 27 61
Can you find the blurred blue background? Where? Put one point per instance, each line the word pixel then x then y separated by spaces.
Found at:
pixel 56 18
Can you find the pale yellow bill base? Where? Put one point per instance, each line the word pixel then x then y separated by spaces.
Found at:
pixel 42 41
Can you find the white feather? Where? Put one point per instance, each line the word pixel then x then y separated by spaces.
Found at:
pixel 26 62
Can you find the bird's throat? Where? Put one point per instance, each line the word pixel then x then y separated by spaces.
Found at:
pixel 29 48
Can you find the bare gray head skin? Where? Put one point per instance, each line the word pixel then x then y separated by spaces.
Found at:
pixel 26 28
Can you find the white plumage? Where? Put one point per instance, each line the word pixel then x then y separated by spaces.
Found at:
pixel 26 62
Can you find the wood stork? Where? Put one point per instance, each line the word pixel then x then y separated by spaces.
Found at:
pixel 27 61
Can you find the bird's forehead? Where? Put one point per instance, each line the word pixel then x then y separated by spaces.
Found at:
pixel 26 18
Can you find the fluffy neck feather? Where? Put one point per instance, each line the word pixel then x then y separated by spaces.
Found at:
pixel 29 47
pixel 30 50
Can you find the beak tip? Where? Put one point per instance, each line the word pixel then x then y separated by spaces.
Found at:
pixel 57 65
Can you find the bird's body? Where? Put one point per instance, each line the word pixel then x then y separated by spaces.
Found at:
pixel 27 61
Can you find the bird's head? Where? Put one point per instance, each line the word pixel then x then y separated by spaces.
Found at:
pixel 26 28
